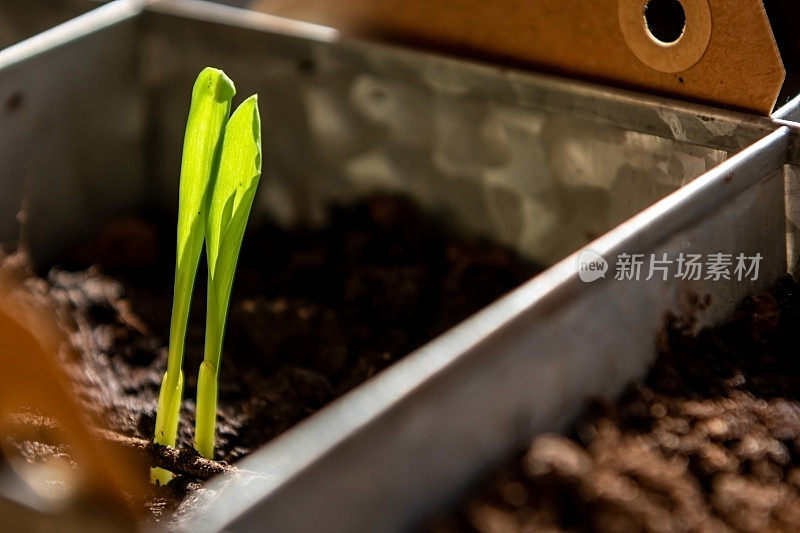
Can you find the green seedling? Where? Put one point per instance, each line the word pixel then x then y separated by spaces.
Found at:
pixel 235 189
pixel 211 142
pixel 208 114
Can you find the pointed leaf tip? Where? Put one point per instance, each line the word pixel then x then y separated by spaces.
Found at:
pixel 239 171
pixel 219 84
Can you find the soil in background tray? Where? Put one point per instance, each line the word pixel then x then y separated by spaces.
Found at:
pixel 314 313
pixel 709 441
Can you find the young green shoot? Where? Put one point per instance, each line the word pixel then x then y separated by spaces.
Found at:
pixel 208 115
pixel 235 188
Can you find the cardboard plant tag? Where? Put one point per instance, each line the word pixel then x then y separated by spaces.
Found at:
pixel 725 53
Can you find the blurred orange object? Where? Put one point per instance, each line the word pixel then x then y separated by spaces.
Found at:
pixel 32 381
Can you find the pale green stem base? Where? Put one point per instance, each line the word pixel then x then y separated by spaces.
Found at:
pixel 167 419
pixel 206 413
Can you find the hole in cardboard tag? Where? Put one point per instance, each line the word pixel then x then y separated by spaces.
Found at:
pixel 666 35
pixel 665 19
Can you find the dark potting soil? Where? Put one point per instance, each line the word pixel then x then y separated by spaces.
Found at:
pixel 314 313
pixel 709 441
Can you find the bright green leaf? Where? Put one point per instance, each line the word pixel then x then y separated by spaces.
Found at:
pixel 234 191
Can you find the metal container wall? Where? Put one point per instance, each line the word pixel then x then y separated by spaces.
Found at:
pixel 539 163
pixel 789 115
pixel 542 164
pixel 21 19
pixel 74 141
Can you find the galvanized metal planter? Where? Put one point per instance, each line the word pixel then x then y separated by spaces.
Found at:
pixel 542 164
pixel 21 19
pixel 412 440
